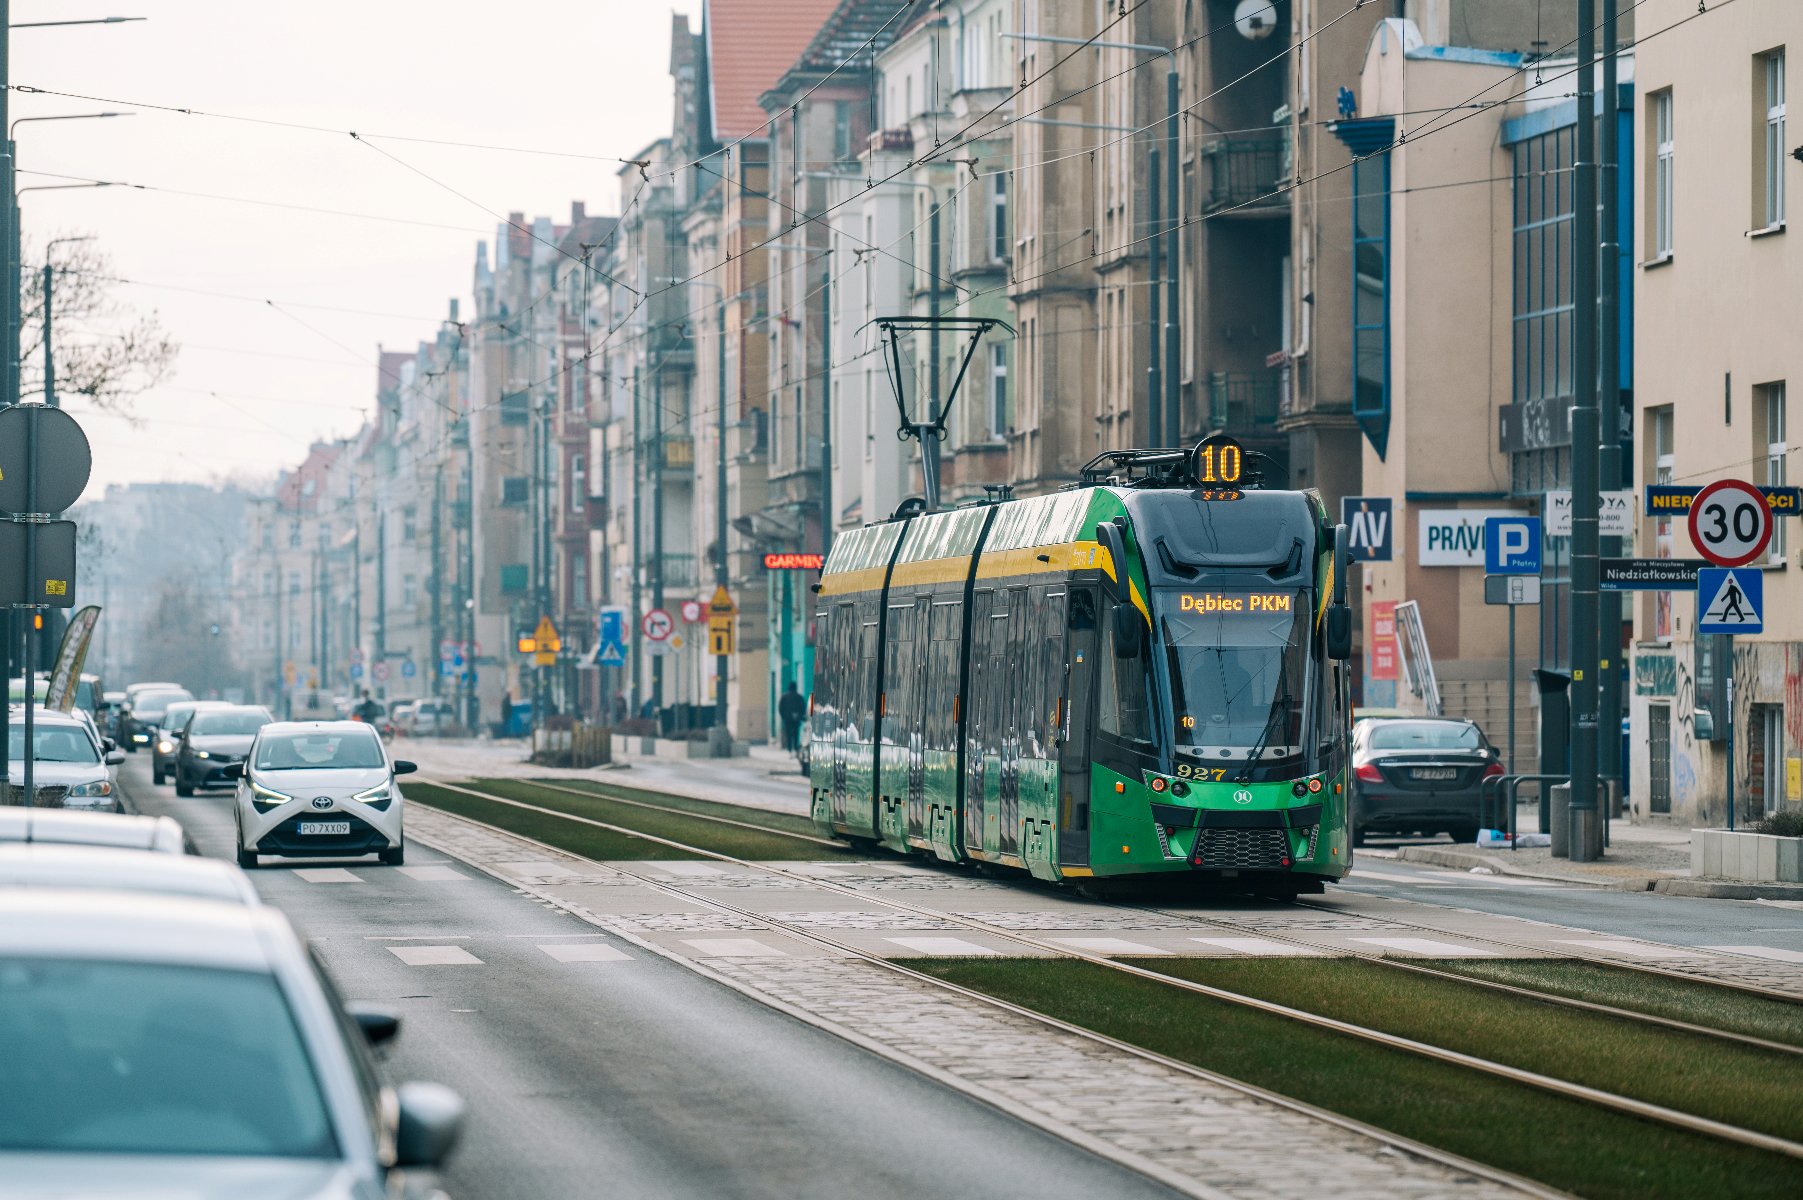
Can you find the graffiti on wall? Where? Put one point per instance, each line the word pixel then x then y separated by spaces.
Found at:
pixel 1684 737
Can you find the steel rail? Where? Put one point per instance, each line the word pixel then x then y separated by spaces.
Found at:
pixel 831 843
pixel 1382 1136
pixel 1575 1091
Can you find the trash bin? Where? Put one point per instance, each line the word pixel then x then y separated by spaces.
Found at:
pixel 1560 806
pixel 1555 731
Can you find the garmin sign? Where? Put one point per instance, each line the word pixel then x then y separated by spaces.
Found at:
pixel 1453 537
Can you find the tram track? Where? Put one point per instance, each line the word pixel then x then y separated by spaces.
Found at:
pixel 1575 953
pixel 1625 1105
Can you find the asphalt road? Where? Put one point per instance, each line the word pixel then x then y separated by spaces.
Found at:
pixel 627 1075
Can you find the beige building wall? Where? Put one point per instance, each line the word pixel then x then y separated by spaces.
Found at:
pixel 1718 357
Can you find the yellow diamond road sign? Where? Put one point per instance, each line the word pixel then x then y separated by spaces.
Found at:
pixel 545 643
pixel 721 605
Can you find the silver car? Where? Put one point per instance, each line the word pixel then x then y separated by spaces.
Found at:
pixel 319 789
pixel 50 864
pixel 71 767
pixel 64 828
pixel 165 1045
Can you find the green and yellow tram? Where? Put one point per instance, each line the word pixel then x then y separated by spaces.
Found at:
pixel 1144 673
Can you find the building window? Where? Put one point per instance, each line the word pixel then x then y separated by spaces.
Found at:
pixel 1770 398
pixel 1659 215
pixel 1543 310
pixel 409 591
pixel 514 490
pixel 842 147
pixel 1371 298
pixel 998 392
pixel 513 577
pixel 579 582
pixel 578 483
pixel 409 525
pixel 1771 187
pixel 998 216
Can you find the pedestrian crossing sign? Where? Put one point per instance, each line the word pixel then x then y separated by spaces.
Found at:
pixel 1730 600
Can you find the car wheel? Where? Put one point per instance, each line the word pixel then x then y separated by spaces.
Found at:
pixel 394 857
pixel 182 786
pixel 1464 835
pixel 1358 836
pixel 156 775
pixel 247 859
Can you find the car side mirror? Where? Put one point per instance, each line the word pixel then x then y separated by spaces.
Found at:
pixel 232 771
pixel 114 757
pixel 403 767
pixel 378 1024
pixel 108 745
pixel 1128 631
pixel 431 1117
pixel 1339 631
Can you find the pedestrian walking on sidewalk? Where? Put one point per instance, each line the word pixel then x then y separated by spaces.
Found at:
pixel 790 710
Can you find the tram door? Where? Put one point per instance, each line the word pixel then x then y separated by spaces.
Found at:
pixel 1075 719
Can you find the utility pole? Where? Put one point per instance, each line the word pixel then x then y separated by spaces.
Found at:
pixel 380 657
pixel 657 532
pixel 638 545
pixel 1154 307
pixel 1173 383
pixel 438 574
pixel 277 663
pixel 1610 669
pixel 722 564
pixel 1584 438
pixel 9 371
pixel 826 412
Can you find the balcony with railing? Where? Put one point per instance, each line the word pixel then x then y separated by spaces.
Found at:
pixel 1244 402
pixel 1247 174
pixel 678 570
pixel 679 452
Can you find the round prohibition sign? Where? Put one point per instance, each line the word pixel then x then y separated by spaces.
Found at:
pixel 1730 523
pixel 657 625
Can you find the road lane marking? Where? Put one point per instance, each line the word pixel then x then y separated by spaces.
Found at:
pixel 1485 878
pixel 326 875
pixel 941 945
pixel 689 868
pixel 1107 945
pixel 1428 947
pixel 1359 873
pixel 1629 949
pixel 434 956
pixel 1256 945
pixel 569 952
pixel 416 937
pixel 433 873
pixel 735 948
pixel 1771 952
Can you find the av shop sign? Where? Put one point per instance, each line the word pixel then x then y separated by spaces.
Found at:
pixel 1454 537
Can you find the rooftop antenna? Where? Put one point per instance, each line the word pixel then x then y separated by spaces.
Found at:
pixel 931 431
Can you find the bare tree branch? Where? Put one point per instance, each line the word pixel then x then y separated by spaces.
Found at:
pixel 105 350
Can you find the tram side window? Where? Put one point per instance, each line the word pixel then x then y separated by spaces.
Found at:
pixel 1126 701
pixel 942 679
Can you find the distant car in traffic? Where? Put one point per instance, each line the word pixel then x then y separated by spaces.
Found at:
pixel 60 826
pixel 212 740
pixel 145 716
pixel 1419 775
pixel 431 718
pixel 71 765
pixel 319 789
pixel 169 735
pixel 174 1046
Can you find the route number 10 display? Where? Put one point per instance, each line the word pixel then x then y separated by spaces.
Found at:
pixel 1218 460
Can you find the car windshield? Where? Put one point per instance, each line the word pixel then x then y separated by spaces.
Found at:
pixel 153 1058
pixel 155 704
pixel 1238 669
pixel 1425 735
pixel 52 743
pixel 313 751
pixel 224 724
pixel 177 714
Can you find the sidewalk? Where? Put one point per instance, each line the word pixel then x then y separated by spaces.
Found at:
pixel 1639 858
pixel 766 779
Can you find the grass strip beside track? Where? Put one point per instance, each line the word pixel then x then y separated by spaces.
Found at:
pixel 1734 1084
pixel 605 845
pixel 1700 1002
pixel 775 821
pixel 1559 1141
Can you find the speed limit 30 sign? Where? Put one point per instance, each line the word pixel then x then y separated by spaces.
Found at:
pixel 1730 523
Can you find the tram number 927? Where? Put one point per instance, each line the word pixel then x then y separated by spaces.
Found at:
pixel 1205 774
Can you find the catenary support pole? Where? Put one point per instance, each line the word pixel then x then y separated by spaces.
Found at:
pixel 1612 669
pixel 9 391
pixel 1173 383
pixel 1584 643
pixel 1154 305
pixel 1726 664
pixel 722 563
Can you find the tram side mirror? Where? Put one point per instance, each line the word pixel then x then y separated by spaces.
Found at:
pixel 1342 563
pixel 1109 535
pixel 1339 631
pixel 1129 631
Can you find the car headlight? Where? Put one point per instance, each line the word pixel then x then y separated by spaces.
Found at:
pixel 264 797
pixel 100 787
pixel 165 747
pixel 375 795
pixel 140 737
pixel 202 754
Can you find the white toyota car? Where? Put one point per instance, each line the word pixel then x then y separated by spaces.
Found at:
pixel 319 789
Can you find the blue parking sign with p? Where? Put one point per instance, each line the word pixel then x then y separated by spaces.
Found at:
pixel 1512 545
pixel 1370 532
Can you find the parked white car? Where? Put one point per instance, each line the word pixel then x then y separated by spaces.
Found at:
pixel 319 789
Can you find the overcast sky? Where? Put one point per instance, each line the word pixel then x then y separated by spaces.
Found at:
pixel 254 385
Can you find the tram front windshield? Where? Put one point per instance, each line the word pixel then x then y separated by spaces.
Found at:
pixel 1239 672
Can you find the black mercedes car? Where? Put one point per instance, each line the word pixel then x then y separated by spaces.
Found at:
pixel 214 739
pixel 1419 775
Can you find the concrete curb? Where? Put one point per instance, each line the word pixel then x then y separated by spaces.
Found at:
pixel 1728 889
pixel 1464 860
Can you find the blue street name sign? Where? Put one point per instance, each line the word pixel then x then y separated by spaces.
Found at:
pixel 1730 600
pixel 1512 545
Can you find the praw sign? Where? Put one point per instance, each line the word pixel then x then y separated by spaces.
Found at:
pixel 1453 537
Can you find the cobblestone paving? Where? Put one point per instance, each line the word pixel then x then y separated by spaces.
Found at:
pixel 1239 1145
pixel 1077 918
